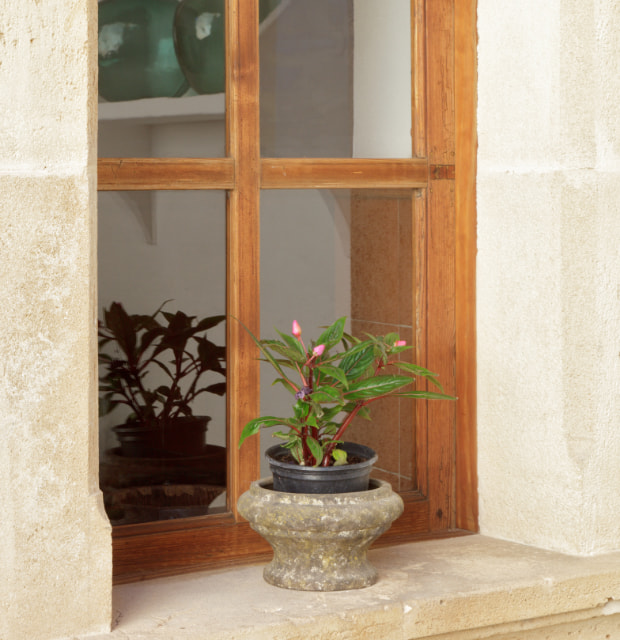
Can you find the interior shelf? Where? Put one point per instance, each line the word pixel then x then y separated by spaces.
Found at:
pixel 188 108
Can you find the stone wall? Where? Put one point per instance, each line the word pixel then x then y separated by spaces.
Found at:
pixel 55 554
pixel 549 273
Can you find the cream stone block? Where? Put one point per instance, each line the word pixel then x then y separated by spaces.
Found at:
pixel 55 556
pixel 518 80
pixel 548 292
pixel 607 89
pixel 543 69
pixel 549 390
pixel 49 70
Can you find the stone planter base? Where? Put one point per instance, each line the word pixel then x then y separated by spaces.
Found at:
pixel 320 540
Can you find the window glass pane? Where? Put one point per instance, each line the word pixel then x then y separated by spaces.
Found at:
pixel 327 254
pixel 336 79
pixel 161 78
pixel 156 247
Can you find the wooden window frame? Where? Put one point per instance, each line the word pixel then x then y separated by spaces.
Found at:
pixel 442 173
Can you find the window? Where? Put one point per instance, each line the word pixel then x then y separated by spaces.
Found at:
pixel 287 157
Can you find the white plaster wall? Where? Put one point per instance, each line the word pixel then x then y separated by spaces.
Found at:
pixel 55 551
pixel 549 273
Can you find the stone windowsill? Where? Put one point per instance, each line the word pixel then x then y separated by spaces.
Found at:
pixel 468 588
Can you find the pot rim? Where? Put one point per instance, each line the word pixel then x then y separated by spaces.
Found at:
pixel 374 484
pixel 350 447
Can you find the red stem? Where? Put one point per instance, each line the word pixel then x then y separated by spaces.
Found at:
pixel 330 447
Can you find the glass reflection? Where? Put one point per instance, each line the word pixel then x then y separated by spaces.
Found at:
pixel 336 80
pixel 327 254
pixel 162 368
pixel 161 78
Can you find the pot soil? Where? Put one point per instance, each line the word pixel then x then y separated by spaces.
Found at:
pixel 294 478
pixel 320 541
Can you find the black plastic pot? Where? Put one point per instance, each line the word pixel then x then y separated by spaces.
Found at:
pixel 295 478
pixel 180 437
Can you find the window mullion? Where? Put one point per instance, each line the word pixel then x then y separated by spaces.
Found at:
pixel 243 242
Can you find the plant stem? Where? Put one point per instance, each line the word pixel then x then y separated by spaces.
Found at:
pixel 330 447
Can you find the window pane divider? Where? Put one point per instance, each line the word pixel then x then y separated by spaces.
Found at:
pixel 243 243
pixel 142 174
pixel 337 173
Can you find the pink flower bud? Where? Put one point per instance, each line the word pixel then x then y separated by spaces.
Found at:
pixel 296 329
pixel 400 343
pixel 318 350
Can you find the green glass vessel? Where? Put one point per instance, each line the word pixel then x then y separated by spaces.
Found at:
pixel 199 41
pixel 137 58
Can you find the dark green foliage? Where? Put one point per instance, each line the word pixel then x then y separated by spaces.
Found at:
pixel 134 346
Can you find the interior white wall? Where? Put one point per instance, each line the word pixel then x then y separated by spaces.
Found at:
pixel 548 283
pixel 382 79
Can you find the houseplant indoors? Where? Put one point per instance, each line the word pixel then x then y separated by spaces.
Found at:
pixel 154 364
pixel 320 527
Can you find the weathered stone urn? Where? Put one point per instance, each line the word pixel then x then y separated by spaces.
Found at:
pixel 320 540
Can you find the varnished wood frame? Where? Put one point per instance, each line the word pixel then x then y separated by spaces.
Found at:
pixel 443 176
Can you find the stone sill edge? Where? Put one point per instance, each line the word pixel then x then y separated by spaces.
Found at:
pixel 467 588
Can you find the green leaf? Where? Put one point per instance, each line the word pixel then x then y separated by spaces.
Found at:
pixel 317 409
pixel 376 387
pixel 254 426
pixel 340 457
pixel 391 338
pixel 297 450
pixel 358 359
pixel 327 394
pixel 301 409
pixel 315 449
pixel 287 352
pixel 329 429
pixel 424 395
pixel 334 372
pixel 419 371
pixel 263 350
pixel 294 344
pixel 333 334
pixel 311 421
pixel 284 383
pixel 332 412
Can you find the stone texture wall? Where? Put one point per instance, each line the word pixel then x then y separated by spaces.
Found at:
pixel 549 273
pixel 55 550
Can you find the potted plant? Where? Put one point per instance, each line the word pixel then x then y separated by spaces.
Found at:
pixel 330 387
pixel 320 512
pixel 155 365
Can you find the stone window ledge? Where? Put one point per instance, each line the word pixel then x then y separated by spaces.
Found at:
pixel 466 588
